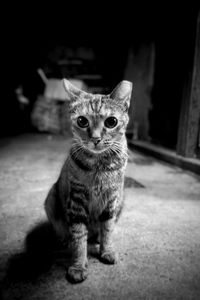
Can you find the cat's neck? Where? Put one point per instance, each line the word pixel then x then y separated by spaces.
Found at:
pixel 108 160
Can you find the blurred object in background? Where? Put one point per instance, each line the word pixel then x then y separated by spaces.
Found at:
pixel 140 70
pixel 50 111
pixel 23 101
pixel 54 88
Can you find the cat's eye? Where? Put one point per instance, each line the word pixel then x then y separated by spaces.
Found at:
pixel 111 122
pixel 82 122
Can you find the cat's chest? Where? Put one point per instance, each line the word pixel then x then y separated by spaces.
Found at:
pixel 100 191
pixel 100 182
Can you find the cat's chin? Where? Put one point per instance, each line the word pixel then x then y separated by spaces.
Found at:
pixel 96 151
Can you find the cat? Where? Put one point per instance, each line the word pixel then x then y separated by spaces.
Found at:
pixel 87 198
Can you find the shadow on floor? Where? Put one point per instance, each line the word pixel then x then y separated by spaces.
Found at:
pixel 43 260
pixel 41 250
pixel 132 183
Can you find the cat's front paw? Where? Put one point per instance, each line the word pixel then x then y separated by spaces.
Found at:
pixel 76 274
pixel 108 257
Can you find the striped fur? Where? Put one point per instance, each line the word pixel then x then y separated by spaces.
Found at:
pixel 87 198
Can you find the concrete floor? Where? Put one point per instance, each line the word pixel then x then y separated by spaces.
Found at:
pixel 157 237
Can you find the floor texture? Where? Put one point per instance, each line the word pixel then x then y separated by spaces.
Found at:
pixel 157 236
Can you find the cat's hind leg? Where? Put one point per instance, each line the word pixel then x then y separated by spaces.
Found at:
pixel 54 211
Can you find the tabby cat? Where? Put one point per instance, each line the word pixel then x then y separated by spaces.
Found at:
pixel 87 198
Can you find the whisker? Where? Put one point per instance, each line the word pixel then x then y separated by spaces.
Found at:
pixel 76 150
pixel 119 151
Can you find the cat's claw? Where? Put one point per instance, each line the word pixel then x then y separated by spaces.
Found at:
pixel 76 274
pixel 108 257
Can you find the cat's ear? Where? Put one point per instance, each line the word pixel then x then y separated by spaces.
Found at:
pixel 122 92
pixel 73 92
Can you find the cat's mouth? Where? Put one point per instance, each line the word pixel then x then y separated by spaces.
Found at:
pixel 99 148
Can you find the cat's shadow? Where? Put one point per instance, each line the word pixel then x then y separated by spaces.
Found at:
pixel 42 250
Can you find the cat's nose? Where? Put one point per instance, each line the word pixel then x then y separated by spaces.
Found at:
pixel 96 141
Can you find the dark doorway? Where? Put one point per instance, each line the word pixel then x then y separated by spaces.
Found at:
pixel 174 54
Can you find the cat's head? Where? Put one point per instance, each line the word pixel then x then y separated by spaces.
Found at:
pixel 99 121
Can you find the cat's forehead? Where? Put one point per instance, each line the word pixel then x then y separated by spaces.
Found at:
pixel 97 103
pixel 94 104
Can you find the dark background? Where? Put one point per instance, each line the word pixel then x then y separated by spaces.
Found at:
pixel 29 34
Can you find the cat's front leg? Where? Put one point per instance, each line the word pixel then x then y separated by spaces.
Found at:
pixel 107 253
pixel 77 272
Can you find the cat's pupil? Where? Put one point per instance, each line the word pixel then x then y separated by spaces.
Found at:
pixel 110 122
pixel 82 122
